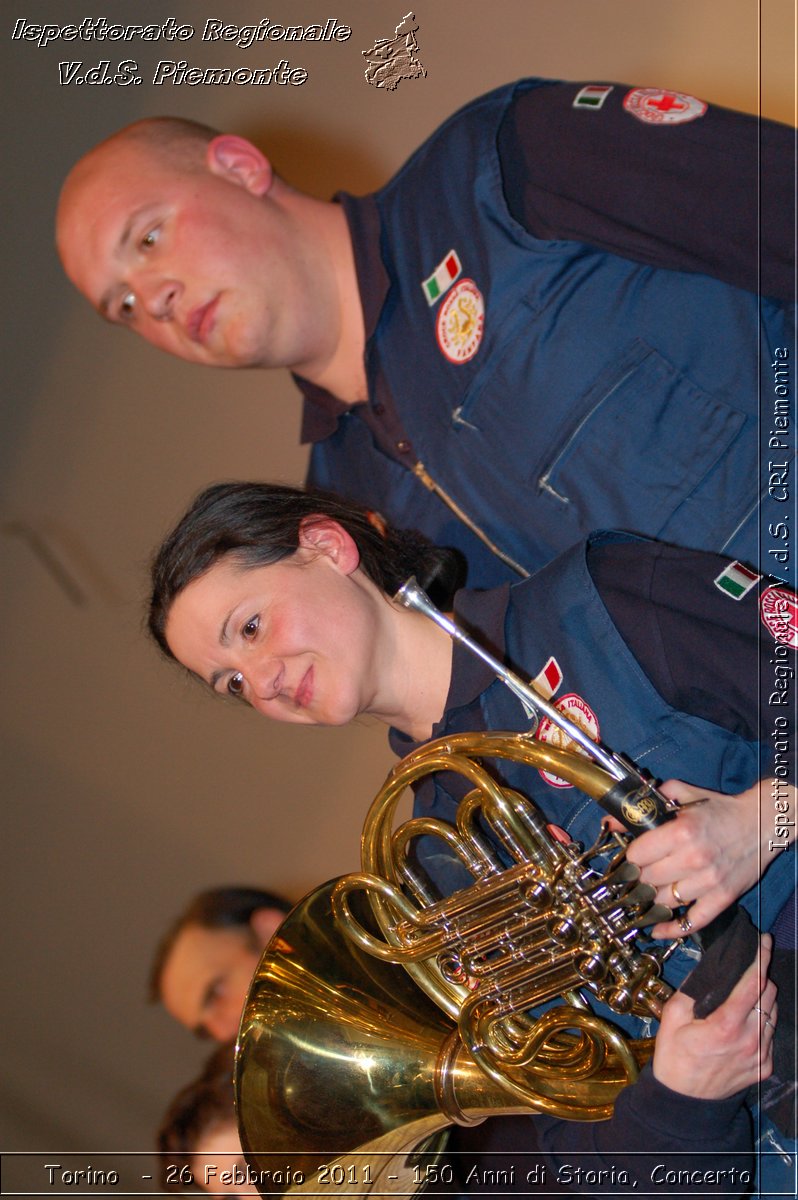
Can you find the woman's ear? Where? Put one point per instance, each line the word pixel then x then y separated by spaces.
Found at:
pixel 323 535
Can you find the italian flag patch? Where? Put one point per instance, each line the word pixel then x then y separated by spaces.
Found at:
pixel 737 580
pixel 592 96
pixel 442 277
pixel 547 681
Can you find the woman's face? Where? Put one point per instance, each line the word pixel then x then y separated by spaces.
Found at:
pixel 218 1163
pixel 295 639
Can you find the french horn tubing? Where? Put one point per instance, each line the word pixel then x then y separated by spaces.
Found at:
pixel 383 1012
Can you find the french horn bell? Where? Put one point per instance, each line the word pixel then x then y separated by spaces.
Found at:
pixel 381 1012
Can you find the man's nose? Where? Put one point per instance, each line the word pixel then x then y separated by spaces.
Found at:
pixel 160 298
pixel 222 1025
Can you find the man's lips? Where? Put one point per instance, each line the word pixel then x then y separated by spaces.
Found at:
pixel 201 321
pixel 304 693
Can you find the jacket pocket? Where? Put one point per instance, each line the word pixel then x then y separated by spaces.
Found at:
pixel 644 439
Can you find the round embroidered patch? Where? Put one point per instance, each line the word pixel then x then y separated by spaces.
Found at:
pixel 658 107
pixel 575 708
pixel 778 608
pixel 461 322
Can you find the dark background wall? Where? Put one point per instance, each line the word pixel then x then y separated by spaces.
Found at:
pixel 125 788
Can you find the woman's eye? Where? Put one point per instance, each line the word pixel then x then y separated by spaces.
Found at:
pixel 235 684
pixel 150 238
pixel 251 628
pixel 127 306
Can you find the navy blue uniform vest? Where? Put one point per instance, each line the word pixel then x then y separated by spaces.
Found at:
pixel 559 613
pixel 603 393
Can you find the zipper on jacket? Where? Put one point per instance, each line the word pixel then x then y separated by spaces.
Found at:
pixel 420 471
pixel 769 1136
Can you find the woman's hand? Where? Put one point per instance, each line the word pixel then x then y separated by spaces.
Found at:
pixel 729 1050
pixel 711 853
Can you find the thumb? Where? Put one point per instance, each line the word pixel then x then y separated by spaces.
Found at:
pixel 678 1012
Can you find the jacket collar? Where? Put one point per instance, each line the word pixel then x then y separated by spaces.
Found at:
pixel 322 410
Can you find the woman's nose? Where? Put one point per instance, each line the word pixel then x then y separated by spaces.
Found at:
pixel 266 678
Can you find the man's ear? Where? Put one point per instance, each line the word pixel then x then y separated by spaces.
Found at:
pixel 323 535
pixel 237 160
pixel 264 922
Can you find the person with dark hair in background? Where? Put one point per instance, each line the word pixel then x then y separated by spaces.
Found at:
pixel 544 324
pixel 204 963
pixel 270 596
pixel 198 1136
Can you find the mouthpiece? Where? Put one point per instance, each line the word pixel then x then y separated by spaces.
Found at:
pixel 412 595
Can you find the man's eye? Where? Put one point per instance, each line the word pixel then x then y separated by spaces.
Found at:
pixel 127 306
pixel 251 628
pixel 235 684
pixel 150 238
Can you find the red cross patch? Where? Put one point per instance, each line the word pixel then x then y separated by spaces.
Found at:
pixel 778 607
pixel 656 106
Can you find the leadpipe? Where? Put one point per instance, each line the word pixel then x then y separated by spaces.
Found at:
pixel 623 770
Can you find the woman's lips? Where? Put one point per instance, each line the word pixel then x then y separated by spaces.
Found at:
pixel 304 693
pixel 202 320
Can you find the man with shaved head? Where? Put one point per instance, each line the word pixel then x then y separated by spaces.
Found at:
pixel 166 228
pixel 546 322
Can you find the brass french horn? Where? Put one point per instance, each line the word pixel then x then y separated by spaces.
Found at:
pixel 381 1012
pixel 343 1061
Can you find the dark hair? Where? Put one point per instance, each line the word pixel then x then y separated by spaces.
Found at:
pixel 259 524
pixel 202 1104
pixel 216 908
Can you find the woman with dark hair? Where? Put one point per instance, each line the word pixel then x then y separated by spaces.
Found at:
pixel 198 1136
pixel 263 523
pixel 284 600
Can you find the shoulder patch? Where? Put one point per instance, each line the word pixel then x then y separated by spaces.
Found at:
pixel 778 607
pixel 592 96
pixel 657 106
pixel 736 580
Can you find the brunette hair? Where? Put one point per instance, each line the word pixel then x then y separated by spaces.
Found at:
pixel 215 908
pixel 196 1109
pixel 259 524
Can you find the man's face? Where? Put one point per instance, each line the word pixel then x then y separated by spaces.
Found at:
pixel 197 260
pixel 206 978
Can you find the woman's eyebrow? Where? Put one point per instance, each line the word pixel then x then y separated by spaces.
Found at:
pixel 224 633
pixel 224 640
